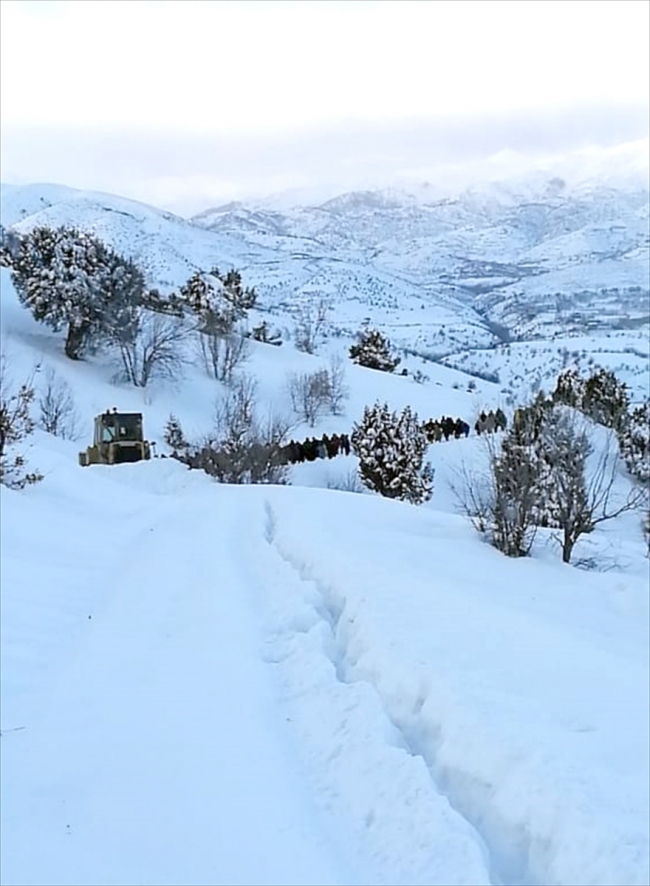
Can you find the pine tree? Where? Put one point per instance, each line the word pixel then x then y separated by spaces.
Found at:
pixel 517 483
pixel 578 488
pixel 69 278
pixel 174 437
pixel 602 397
pixel 373 351
pixel 634 442
pixel 391 449
pixel 218 301
pixel 605 400
pixel 242 299
pixel 9 245
pixel 569 389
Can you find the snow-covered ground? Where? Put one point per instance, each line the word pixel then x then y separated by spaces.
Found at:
pixel 216 684
pixel 524 366
pixel 205 683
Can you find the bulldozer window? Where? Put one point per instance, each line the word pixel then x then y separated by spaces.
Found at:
pixel 130 427
pixel 108 434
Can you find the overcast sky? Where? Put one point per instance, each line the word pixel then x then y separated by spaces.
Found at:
pixel 189 104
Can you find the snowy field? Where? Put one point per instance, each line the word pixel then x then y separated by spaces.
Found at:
pixel 216 684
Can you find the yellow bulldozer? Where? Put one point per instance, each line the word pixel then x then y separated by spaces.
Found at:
pixel 118 438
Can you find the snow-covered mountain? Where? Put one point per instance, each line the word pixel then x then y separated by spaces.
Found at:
pixel 437 275
pixel 531 262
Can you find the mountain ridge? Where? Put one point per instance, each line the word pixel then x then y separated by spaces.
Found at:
pixel 438 276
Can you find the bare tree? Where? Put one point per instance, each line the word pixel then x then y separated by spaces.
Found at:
pixel 349 482
pixel 338 390
pixel 223 353
pixel 154 350
pixel 475 495
pixel 311 321
pixel 59 414
pixel 16 424
pixel 310 394
pixel 235 412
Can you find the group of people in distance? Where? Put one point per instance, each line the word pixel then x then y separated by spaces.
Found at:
pixel 446 427
pixel 313 448
pixel 488 423
pixel 435 429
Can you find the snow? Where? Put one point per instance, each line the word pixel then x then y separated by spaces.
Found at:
pixel 205 683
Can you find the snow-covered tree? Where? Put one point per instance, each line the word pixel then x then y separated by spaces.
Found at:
pixel 546 472
pixel 174 436
pixel 218 301
pixel 373 351
pixel 601 396
pixel 68 278
pixel 634 441
pixel 16 424
pixel 516 493
pixel 9 245
pixel 391 449
pixel 579 483
pixel 605 399
pixel 243 448
pixel 122 292
pixel 569 389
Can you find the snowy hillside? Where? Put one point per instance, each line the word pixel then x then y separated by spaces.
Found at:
pixel 204 683
pixel 167 248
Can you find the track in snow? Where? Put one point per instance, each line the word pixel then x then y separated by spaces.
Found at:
pixel 507 849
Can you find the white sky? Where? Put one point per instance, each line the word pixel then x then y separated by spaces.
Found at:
pixel 91 89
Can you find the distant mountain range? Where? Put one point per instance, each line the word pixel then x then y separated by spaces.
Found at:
pixel 437 274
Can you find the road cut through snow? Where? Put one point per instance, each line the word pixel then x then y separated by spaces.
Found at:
pixel 157 757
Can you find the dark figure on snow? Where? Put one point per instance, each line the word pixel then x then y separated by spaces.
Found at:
pixel 447 427
pixel 332 445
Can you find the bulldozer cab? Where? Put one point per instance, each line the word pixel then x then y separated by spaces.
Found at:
pixel 118 438
pixel 118 426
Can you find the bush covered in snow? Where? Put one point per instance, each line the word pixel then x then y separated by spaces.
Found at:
pixel 391 449
pixel 373 351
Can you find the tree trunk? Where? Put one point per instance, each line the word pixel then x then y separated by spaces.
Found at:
pixel 567 547
pixel 74 341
